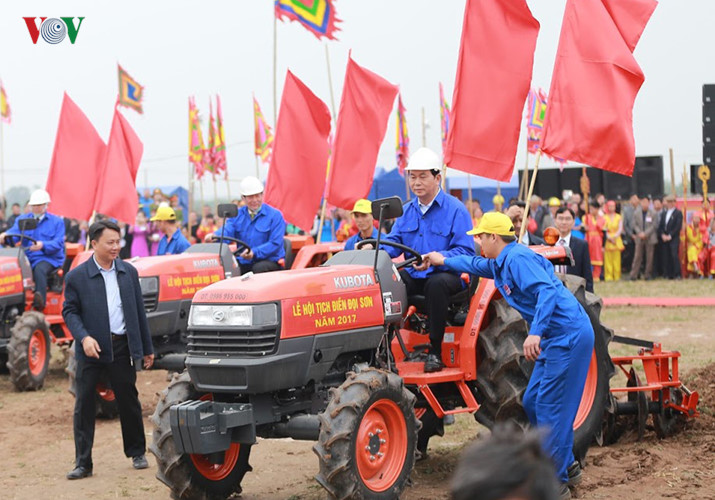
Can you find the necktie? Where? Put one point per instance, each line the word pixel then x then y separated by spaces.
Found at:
pixel 561 268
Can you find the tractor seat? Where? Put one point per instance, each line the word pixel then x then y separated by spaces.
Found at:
pixel 56 280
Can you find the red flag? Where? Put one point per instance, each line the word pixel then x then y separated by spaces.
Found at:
pixel 594 84
pixel 496 57
pixel 77 164
pixel 300 154
pixel 365 107
pixel 117 193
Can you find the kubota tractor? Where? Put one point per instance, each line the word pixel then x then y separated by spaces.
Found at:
pixel 332 354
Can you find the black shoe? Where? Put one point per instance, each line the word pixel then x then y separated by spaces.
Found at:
pixel 564 492
pixel 574 472
pixel 433 363
pixel 140 462
pixel 79 473
pixel 38 302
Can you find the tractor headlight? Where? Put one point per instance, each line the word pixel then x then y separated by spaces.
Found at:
pixel 223 315
pixel 149 286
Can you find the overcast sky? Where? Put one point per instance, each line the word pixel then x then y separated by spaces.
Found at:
pixel 181 48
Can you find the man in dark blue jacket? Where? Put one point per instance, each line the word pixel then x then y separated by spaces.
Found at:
pixel 47 252
pixel 565 218
pixel 260 226
pixel 104 310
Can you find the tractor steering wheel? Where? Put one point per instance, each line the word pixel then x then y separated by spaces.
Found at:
pixel 9 243
pixel 241 244
pixel 415 259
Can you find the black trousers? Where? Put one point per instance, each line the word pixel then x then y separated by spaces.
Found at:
pixel 672 261
pixel 123 378
pixel 40 273
pixel 261 266
pixel 437 289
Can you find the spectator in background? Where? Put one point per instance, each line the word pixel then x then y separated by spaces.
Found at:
pixel 507 465
pixel 516 214
pixel 536 213
pixel 694 242
pixel 659 253
pixel 579 248
pixel 476 212
pixel 173 242
pixel 4 226
pixel 645 237
pixel 145 202
pixel 192 226
pixel 578 221
pixel 208 225
pixel 16 212
pixel 614 242
pixel 158 199
pixel 141 244
pixel 669 227
pixel 711 237
pixel 593 224
pixel 498 202
pixel 71 230
pixel 174 203
pixel 601 200
pixel 364 222
pixel 628 211
pixel 549 217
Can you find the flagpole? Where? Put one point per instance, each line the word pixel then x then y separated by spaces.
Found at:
pixel 525 177
pixel 275 67
pixel 215 191
pixel 407 187
pixel 258 175
pixel 672 172
pixel 228 188
pixel 525 220
pixel 2 168
pixel 330 85
pixel 191 188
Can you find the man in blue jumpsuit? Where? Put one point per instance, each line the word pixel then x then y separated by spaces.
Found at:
pixel 362 215
pixel 432 221
pixel 173 241
pixel 48 252
pixel 560 338
pixel 260 226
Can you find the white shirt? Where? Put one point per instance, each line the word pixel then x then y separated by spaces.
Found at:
pixel 668 214
pixel 564 241
pixel 114 299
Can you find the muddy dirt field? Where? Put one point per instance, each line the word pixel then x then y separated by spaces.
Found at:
pixel 38 449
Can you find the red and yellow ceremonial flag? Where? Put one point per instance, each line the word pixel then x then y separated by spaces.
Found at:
pixel 220 160
pixel 263 136
pixel 317 16
pixel 496 57
pixel 78 155
pixel 403 139
pixel 211 153
pixel 5 112
pixel 595 83
pixel 296 177
pixel 365 108
pixel 197 151
pixel 130 92
pixel 117 194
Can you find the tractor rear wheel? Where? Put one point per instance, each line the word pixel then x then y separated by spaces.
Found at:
pixel 503 372
pixel 368 437
pixel 190 476
pixel 106 405
pixel 28 352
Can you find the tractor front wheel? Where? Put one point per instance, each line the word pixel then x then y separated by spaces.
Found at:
pixel 368 437
pixel 192 476
pixel 29 351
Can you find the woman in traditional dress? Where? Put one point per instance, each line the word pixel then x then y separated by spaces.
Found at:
pixel 593 226
pixel 614 244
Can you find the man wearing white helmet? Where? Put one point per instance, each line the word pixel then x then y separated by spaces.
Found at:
pixel 433 221
pixel 260 226
pixel 48 252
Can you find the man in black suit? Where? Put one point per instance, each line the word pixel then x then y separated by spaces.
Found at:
pixel 579 248
pixel 104 310
pixel 671 222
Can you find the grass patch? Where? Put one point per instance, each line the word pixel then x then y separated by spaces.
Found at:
pixel 655 288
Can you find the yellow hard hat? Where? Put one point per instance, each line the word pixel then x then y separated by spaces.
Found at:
pixel 554 202
pixel 494 223
pixel 498 199
pixel 164 213
pixel 362 206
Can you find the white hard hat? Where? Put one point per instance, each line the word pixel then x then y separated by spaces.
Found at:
pixel 424 159
pixel 250 185
pixel 39 197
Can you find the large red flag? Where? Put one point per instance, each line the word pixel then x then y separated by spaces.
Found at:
pixel 77 163
pixel 595 82
pixel 496 57
pixel 117 193
pixel 296 177
pixel 365 107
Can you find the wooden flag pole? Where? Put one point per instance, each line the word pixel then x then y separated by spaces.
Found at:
pixel 525 177
pixel 275 67
pixel 319 236
pixel 91 221
pixel 330 85
pixel 215 191
pixel 407 187
pixel 228 187
pixel 525 220
pixel 672 172
pixel 684 234
pixel 191 188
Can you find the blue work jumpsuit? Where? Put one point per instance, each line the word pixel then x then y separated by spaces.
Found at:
pixel 264 234
pixel 527 282
pixel 177 244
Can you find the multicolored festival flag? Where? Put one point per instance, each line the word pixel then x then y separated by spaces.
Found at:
pixel 220 160
pixel 196 141
pixel 210 164
pixel 130 92
pixel 317 16
pixel 5 113
pixel 263 134
pixel 443 116
pixel 536 112
pixel 403 138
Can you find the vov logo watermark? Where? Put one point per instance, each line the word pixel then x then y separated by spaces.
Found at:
pixel 52 29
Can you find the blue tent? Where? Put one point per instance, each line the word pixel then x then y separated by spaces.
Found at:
pixel 170 191
pixel 482 189
pixel 387 183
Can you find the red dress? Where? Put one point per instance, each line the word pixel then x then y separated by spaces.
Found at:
pixel 594 236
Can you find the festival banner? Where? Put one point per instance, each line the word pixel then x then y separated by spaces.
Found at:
pixel 496 57
pixel 78 155
pixel 197 151
pixel 211 152
pixel 317 16
pixel 117 194
pixel 131 93
pixel 403 139
pixel 5 111
pixel 220 160
pixel 263 135
pixel 443 117
pixel 296 177
pixel 535 113
pixel 595 82
pixel 365 109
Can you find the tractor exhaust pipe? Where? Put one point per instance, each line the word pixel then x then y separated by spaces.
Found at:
pixel 631 407
pixel 302 427
pixel 171 362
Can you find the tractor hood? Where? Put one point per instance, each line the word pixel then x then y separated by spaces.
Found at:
pixel 181 263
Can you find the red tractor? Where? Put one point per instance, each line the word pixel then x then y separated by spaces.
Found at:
pixel 332 354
